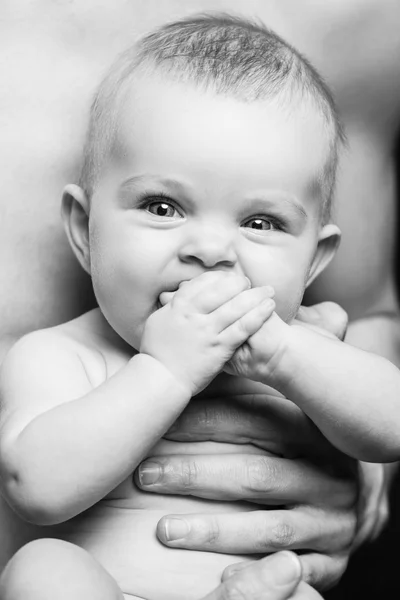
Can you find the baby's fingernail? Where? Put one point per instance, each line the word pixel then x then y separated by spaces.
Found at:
pixel 269 290
pixel 285 566
pixel 175 529
pixel 149 473
pixel 268 303
pixel 248 282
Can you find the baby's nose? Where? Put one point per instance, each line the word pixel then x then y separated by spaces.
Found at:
pixel 211 247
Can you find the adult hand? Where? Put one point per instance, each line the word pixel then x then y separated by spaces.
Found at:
pixel 373 505
pixel 314 492
pixel 276 577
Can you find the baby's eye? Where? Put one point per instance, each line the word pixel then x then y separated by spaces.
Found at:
pixel 162 209
pixel 260 224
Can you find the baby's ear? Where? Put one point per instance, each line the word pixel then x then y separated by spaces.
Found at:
pixel 328 243
pixel 75 215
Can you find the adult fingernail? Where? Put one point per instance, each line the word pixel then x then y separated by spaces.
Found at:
pixel 175 529
pixel 285 567
pixel 149 473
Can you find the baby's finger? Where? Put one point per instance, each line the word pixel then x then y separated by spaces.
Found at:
pixel 209 291
pixel 239 306
pixel 166 297
pixel 239 332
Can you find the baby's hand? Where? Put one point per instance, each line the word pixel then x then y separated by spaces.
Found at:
pixel 259 357
pixel 198 331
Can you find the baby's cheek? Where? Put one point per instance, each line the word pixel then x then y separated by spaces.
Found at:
pixel 288 313
pixel 288 300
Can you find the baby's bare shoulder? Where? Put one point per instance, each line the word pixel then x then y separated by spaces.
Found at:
pixel 80 350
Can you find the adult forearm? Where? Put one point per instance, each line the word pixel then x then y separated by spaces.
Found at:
pixel 90 444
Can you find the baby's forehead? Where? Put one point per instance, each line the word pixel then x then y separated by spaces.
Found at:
pixel 160 119
pixel 169 129
pixel 149 97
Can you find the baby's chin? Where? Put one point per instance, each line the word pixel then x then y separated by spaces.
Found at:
pixel 131 336
pixel 288 313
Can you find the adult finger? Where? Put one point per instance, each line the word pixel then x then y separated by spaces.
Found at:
pixel 256 478
pixel 275 577
pixel 258 416
pixel 373 503
pixel 323 571
pixel 306 592
pixel 258 532
pixel 319 570
pixel 302 592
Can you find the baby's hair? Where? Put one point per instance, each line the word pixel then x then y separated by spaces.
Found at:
pixel 226 54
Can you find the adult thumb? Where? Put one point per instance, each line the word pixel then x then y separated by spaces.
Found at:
pixel 275 577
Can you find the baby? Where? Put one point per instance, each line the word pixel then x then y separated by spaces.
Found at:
pixel 202 214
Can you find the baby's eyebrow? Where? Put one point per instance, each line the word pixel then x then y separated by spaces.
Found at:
pixel 278 200
pixel 300 210
pixel 148 178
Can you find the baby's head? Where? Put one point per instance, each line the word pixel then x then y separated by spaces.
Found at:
pixel 212 145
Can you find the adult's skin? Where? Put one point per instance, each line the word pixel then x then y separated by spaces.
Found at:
pixel 276 577
pixel 53 54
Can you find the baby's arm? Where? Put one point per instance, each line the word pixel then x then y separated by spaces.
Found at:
pixel 65 445
pixel 352 396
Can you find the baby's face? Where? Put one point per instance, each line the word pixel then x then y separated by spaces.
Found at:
pixel 199 182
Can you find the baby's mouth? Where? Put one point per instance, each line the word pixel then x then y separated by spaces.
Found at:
pixel 166 296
